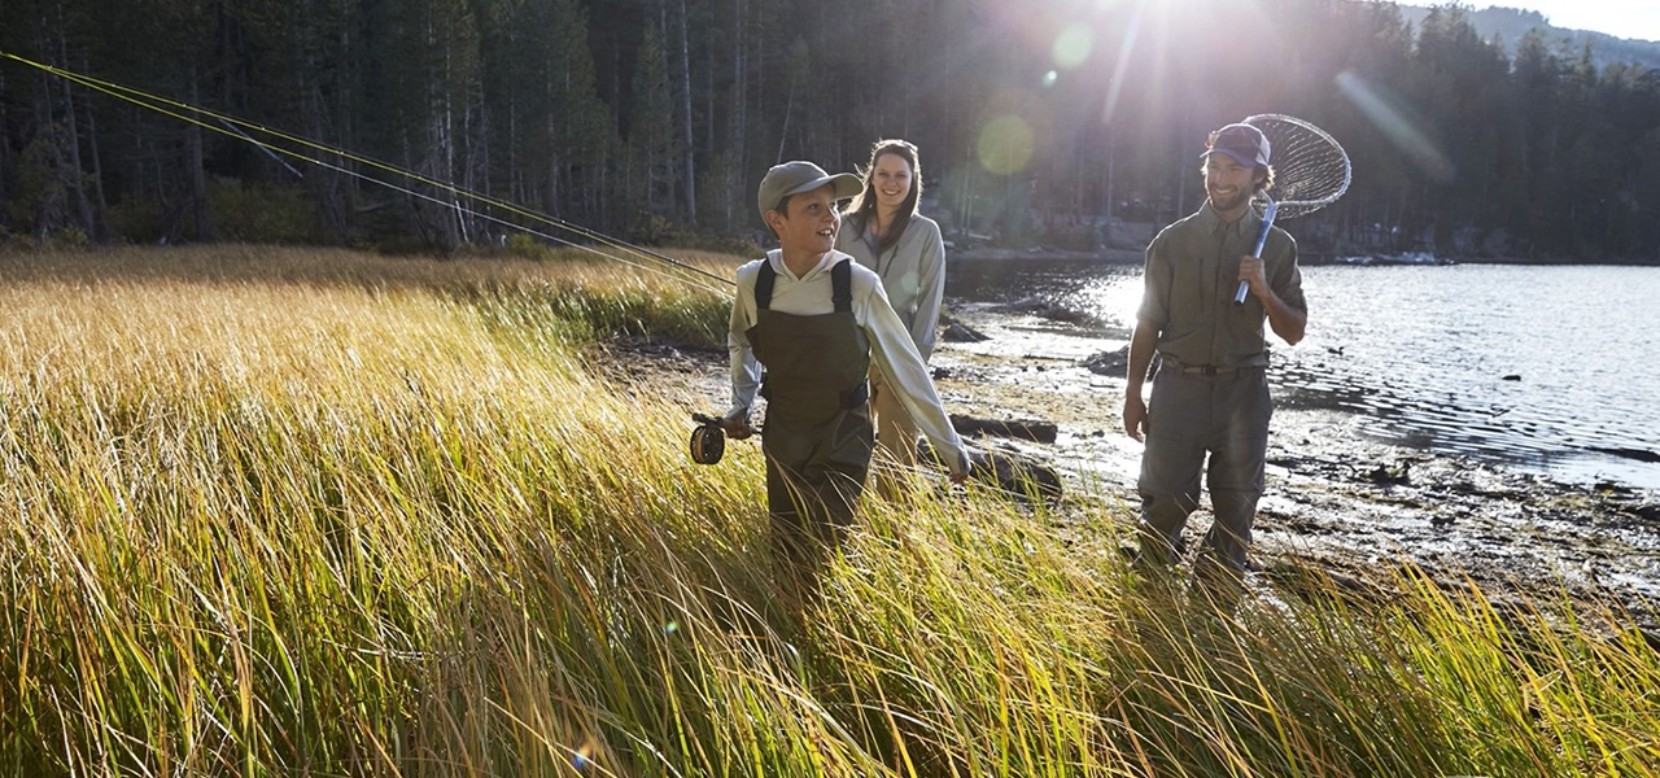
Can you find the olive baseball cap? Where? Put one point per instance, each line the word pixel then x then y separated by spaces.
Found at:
pixel 799 176
pixel 1244 143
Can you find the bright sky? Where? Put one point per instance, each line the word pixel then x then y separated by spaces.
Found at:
pixel 1621 18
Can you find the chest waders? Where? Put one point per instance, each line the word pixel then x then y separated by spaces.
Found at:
pixel 819 438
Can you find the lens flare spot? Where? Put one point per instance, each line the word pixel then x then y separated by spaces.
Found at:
pixel 1072 46
pixel 1049 79
pixel 671 627
pixel 1006 145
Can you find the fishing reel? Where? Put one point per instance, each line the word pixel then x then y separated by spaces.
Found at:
pixel 708 440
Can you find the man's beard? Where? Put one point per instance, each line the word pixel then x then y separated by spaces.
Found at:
pixel 1239 199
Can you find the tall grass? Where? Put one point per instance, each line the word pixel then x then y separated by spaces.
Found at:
pixel 315 513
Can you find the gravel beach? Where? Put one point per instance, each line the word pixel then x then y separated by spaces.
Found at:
pixel 1337 500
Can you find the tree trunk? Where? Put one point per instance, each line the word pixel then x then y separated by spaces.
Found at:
pixel 77 176
pixel 5 159
pixel 784 134
pixel 689 168
pixel 101 207
pixel 324 185
pixel 194 160
pixel 711 138
pixel 1107 185
pixel 738 121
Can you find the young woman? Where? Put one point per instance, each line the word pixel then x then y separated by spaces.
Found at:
pixel 883 231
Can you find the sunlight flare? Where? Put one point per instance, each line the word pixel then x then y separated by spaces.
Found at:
pixel 1392 121
pixel 1073 46
pixel 1006 145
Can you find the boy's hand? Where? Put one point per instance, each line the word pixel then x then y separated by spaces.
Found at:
pixel 737 426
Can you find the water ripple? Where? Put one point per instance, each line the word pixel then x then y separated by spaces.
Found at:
pixel 1548 368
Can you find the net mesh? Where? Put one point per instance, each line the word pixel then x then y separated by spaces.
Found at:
pixel 1310 169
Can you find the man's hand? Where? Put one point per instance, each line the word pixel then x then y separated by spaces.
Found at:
pixel 1135 415
pixel 1252 270
pixel 736 425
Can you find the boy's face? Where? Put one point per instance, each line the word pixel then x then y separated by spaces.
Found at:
pixel 809 226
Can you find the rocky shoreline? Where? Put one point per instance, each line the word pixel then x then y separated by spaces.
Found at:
pixel 988 254
pixel 1337 500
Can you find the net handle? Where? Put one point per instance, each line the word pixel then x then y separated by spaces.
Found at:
pixel 1268 214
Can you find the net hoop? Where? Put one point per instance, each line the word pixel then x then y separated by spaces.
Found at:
pixel 1311 169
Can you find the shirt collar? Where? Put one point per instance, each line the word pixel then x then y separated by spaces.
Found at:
pixel 1211 223
pixel 829 260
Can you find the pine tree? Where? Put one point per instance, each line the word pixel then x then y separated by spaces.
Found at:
pixel 651 132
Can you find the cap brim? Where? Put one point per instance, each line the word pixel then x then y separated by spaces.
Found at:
pixel 847 185
pixel 1237 156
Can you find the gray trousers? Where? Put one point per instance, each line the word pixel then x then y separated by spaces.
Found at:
pixel 1189 416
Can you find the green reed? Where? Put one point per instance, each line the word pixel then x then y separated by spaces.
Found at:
pixel 284 512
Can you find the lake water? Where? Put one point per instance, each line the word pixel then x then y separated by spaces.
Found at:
pixel 1550 369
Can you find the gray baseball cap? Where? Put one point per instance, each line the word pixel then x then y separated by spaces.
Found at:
pixel 1244 143
pixel 799 176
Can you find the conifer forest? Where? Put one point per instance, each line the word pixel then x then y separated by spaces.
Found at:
pixel 1055 123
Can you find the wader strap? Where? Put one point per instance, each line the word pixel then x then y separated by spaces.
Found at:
pixel 763 300
pixel 763 285
pixel 857 396
pixel 841 286
pixel 841 294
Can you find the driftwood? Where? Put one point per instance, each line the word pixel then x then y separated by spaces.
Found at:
pixel 957 332
pixel 1024 429
pixel 1016 473
pixel 1639 454
pixel 1044 309
pixel 1114 364
pixel 1022 475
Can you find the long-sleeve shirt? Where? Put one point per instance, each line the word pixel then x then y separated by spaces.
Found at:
pixel 912 272
pixel 891 348
pixel 1191 275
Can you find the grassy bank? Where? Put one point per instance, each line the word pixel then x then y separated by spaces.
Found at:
pixel 272 512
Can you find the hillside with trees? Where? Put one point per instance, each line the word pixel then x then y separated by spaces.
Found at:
pixel 1507 26
pixel 1054 124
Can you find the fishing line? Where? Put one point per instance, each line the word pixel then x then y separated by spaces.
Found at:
pixel 176 109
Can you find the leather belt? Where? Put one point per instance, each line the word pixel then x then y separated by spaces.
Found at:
pixel 1208 369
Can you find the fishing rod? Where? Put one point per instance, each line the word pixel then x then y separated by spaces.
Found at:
pixel 708 438
pixel 233 127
